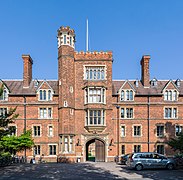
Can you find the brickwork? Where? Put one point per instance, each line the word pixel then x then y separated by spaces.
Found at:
pixel 68 113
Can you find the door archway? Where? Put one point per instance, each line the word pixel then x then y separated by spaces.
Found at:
pixel 95 150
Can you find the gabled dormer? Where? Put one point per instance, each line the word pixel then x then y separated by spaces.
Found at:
pixel 5 91
pixel 126 92
pixel 170 91
pixel 45 92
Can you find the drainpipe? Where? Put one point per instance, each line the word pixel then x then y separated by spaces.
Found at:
pixel 148 123
pixel 117 128
pixel 25 124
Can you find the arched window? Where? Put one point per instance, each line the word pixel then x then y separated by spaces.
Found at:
pixel 131 95
pixel 41 95
pixel 166 96
pixel 122 95
pixel 174 95
pixel 49 95
pixel 44 95
pixel 87 74
pixel 102 75
pixel 127 95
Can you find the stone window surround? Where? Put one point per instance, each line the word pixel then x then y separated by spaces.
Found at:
pixel 133 128
pixel 47 94
pixel 125 114
pixel 47 117
pixel 123 125
pixel 125 95
pixel 166 96
pixel 33 130
pixel 172 108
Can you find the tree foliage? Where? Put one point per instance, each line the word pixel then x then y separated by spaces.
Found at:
pixel 9 143
pixel 177 143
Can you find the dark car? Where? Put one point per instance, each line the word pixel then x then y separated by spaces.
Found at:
pixel 124 158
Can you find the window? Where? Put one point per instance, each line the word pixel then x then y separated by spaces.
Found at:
pixel 95 117
pixel 160 149
pixel 137 148
pixel 126 113
pixel 4 95
pixel 122 149
pixel 127 95
pixel 50 131
pixel 36 131
pixel 67 146
pixel 45 113
pixel 95 95
pixel 13 130
pixel 70 40
pixel 52 150
pixel 45 95
pixel 170 113
pixel 95 73
pixel 178 129
pixel 136 130
pixel 170 95
pixel 3 111
pixel 37 150
pixel 123 131
pixel 64 39
pixel 160 130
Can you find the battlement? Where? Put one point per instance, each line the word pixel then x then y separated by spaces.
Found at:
pixel 95 55
pixel 66 29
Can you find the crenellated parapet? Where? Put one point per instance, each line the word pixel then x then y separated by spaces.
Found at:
pixel 95 55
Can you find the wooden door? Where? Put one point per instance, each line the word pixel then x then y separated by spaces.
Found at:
pixel 99 151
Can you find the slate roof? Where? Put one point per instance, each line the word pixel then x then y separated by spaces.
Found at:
pixel 140 90
pixel 15 87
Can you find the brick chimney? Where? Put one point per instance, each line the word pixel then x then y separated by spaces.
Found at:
pixel 27 73
pixel 145 70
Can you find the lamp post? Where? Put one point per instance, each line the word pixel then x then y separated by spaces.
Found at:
pixel 117 129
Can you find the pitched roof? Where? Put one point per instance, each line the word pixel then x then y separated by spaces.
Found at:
pixel 16 87
pixel 140 90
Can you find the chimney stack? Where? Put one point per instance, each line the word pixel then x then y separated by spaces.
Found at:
pixel 145 70
pixel 27 71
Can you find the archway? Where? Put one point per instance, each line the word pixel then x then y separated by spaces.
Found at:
pixel 95 150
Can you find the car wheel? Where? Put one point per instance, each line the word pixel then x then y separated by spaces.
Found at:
pixel 138 167
pixel 169 166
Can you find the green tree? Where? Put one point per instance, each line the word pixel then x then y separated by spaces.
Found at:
pixel 10 143
pixel 177 143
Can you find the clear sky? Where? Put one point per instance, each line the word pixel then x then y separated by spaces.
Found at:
pixel 129 28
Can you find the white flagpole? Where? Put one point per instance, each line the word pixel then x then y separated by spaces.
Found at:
pixel 87 35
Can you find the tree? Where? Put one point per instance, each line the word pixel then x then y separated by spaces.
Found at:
pixel 177 143
pixel 9 143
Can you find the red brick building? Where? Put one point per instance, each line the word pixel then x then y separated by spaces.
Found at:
pixel 85 115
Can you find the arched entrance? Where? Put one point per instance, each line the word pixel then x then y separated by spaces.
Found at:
pixel 95 150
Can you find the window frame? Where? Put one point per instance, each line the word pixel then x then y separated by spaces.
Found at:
pixel 45 95
pixel 171 95
pixel 38 129
pixel 127 95
pixel 53 148
pixel 125 113
pixel 162 133
pixel 169 112
pixel 88 119
pixel 140 131
pixel 4 96
pixel 180 129
pixel 45 114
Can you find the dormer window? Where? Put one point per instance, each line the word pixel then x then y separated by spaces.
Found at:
pixel 4 95
pixel 127 95
pixel 178 82
pixel 154 82
pixel 45 95
pixel 170 95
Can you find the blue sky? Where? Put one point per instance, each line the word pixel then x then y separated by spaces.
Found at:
pixel 130 28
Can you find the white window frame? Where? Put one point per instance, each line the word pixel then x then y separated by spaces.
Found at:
pixel 163 148
pixel 137 146
pixel 161 134
pixel 56 150
pixel 44 114
pixel 48 93
pixel 125 95
pixel 170 110
pixel 95 70
pixel 36 125
pixel 180 127
pixel 67 144
pixel 36 149
pixel 95 96
pixel 50 133
pixel 4 96
pixel 123 130
pixel 137 125
pixel 95 118
pixel 171 95
pixel 3 111
pixel 126 109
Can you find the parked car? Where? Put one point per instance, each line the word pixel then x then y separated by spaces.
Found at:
pixel 124 158
pixel 149 160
